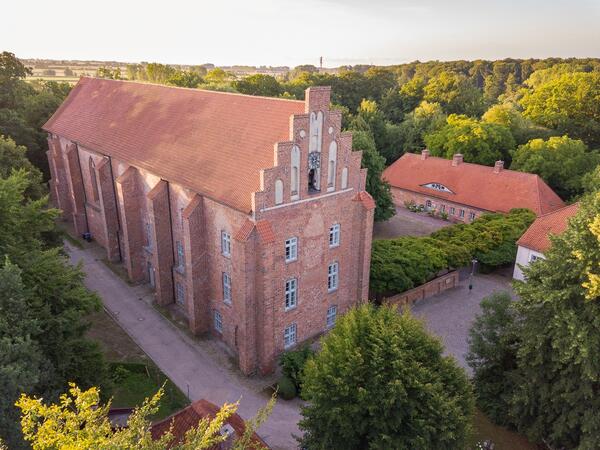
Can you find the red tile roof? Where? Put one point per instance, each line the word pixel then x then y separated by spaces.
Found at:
pixel 365 199
pixel 189 417
pixel 537 236
pixel 213 143
pixel 473 184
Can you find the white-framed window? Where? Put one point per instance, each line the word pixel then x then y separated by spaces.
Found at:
pixel 461 214
pixel 180 254
pixel 443 208
pixel 471 216
pixel 218 321
pixel 179 294
pixel 332 276
pixel 331 316
pixel 291 249
pixel 533 258
pixel 289 336
pixel 225 243
pixel 452 210
pixel 226 288
pixel 334 235
pixel 428 204
pixel 291 293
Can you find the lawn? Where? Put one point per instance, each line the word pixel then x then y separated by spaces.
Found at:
pixel 134 377
pixel 503 438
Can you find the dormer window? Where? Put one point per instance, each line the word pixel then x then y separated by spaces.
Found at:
pixel 438 187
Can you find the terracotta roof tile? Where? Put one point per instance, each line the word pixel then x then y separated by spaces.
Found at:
pixel 189 417
pixel 537 236
pixel 245 231
pixel 366 200
pixel 265 231
pixel 473 184
pixel 213 143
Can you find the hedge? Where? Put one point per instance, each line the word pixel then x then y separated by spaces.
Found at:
pixel 406 262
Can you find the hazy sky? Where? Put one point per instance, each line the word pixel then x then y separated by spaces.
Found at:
pixel 292 32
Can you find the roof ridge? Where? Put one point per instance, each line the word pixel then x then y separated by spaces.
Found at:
pixel 168 86
pixel 559 210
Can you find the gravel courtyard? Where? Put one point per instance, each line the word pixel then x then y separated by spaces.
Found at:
pixel 449 315
pixel 407 223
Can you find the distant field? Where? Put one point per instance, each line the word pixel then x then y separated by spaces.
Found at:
pixel 71 80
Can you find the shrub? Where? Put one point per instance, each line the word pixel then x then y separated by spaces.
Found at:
pixel 292 364
pixel 286 388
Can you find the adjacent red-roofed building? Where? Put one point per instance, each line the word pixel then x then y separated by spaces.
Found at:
pixel 239 210
pixel 536 240
pixel 182 421
pixel 464 191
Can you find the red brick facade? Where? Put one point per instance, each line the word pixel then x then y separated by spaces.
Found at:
pixel 170 235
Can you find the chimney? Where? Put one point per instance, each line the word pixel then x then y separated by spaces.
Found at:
pixel 498 166
pixel 457 159
pixel 424 154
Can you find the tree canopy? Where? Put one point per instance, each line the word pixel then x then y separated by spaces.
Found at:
pixel 561 161
pixel 380 381
pixel 479 142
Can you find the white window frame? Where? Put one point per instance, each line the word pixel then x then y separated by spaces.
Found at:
pixel 471 216
pixel 225 243
pixel 333 271
pixel 443 208
pixel 291 249
pixel 334 235
pixel 331 316
pixel 179 293
pixel 452 211
pixel 218 321
pixel 291 293
pixel 226 282
pixel 461 214
pixel 290 335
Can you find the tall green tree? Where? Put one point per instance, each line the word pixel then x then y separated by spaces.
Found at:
pixel 14 157
pixel 455 93
pixel 381 382
pixel 259 84
pixel 555 398
pixel 479 142
pixel 493 345
pixel 561 161
pixel 375 185
pixel 569 103
pixel 21 359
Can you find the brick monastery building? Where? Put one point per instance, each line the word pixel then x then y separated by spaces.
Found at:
pixel 464 191
pixel 249 213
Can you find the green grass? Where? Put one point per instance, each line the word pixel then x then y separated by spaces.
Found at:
pixel 503 438
pixel 134 382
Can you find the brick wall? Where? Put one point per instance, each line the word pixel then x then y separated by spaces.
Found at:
pixel 429 289
pixel 401 196
pixel 127 207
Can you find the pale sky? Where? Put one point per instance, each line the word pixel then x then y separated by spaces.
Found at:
pixel 293 32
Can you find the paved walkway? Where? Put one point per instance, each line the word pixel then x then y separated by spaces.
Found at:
pixel 449 315
pixel 182 359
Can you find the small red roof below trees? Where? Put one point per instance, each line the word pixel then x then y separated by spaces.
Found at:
pixel 482 187
pixel 189 417
pixel 537 236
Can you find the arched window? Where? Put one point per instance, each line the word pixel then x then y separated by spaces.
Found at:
pixel 278 192
pixel 331 166
pixel 295 163
pixel 93 180
pixel 316 132
pixel 344 178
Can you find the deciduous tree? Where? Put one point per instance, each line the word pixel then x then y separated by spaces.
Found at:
pixel 380 381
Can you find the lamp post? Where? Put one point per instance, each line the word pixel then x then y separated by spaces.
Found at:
pixel 473 262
